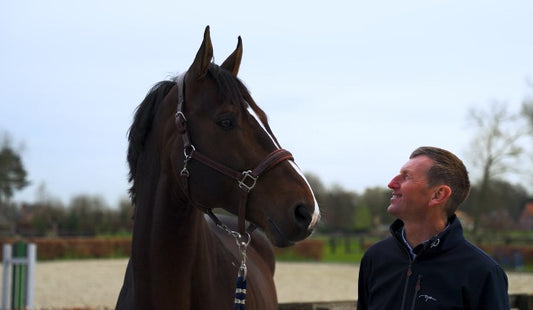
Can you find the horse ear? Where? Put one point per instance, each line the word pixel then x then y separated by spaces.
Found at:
pixel 233 62
pixel 203 57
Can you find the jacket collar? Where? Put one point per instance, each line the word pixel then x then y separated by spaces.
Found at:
pixel 442 241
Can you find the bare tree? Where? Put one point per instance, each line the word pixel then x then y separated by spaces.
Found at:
pixel 527 110
pixel 527 105
pixel 527 113
pixel 496 149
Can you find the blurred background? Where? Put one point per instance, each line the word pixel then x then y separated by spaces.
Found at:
pixel 350 88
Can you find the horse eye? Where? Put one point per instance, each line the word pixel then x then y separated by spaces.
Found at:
pixel 225 123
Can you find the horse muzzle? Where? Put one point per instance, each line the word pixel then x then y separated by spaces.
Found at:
pixel 298 225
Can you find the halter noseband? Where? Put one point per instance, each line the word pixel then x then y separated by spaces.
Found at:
pixel 246 180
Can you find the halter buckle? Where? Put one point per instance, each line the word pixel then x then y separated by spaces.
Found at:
pixel 248 180
pixel 187 152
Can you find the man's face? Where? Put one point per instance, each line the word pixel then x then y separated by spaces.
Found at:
pixel 410 193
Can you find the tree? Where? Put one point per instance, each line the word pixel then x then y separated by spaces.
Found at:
pixel 338 208
pixel 496 149
pixel 12 172
pixel 527 107
pixel 87 215
pixel 378 199
pixel 49 213
pixel 527 113
pixel 362 218
pixel 316 184
pixel 503 199
pixel 12 178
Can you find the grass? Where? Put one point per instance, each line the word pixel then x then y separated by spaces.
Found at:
pixel 342 250
pixel 354 257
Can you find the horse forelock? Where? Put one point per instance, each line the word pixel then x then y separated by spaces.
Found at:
pixel 234 90
pixel 142 126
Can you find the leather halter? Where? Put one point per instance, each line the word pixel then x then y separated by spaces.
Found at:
pixel 246 180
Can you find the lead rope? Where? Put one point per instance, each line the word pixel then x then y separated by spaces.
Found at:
pixel 240 285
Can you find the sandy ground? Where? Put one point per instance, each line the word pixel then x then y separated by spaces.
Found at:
pixel 96 283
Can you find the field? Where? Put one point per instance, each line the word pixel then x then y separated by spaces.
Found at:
pixel 95 284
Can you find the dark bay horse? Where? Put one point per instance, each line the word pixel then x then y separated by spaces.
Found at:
pixel 197 143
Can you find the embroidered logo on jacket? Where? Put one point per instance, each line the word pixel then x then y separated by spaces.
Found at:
pixel 427 298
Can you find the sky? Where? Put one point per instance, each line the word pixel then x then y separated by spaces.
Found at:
pixel 350 87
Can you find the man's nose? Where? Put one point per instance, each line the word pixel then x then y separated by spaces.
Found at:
pixel 394 183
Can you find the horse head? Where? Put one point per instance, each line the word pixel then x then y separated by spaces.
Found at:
pixel 214 133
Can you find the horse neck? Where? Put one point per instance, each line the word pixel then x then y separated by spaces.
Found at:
pixel 167 221
pixel 170 243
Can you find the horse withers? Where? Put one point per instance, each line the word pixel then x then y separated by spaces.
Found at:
pixel 198 143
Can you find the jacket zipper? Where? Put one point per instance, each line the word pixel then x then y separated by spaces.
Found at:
pixel 417 289
pixel 409 272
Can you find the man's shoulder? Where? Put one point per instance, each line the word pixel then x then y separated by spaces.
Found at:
pixel 482 258
pixel 386 253
pixel 384 245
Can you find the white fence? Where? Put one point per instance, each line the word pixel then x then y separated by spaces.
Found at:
pixel 18 276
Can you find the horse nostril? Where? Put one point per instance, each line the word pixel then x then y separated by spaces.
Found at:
pixel 302 216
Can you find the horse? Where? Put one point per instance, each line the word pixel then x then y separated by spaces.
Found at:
pixel 199 142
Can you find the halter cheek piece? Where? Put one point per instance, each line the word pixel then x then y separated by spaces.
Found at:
pixel 246 180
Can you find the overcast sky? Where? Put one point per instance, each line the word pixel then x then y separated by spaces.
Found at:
pixel 350 87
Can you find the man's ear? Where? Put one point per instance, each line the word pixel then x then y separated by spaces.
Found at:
pixel 441 195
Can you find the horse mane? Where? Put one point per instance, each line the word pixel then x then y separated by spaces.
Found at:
pixel 142 125
pixel 232 88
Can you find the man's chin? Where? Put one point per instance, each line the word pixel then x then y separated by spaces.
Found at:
pixel 392 210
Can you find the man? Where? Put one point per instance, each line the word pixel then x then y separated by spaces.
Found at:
pixel 427 263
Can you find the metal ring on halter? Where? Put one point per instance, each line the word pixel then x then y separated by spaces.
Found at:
pixel 238 239
pixel 236 235
pixel 185 172
pixel 191 149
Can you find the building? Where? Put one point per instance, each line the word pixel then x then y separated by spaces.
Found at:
pixel 526 218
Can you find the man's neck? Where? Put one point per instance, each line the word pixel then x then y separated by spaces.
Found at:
pixel 418 232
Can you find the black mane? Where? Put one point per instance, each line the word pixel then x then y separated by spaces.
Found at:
pixel 142 125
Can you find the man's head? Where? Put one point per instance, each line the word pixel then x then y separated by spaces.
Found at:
pixel 448 170
pixel 431 177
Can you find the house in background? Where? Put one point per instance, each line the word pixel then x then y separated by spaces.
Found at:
pixel 526 218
